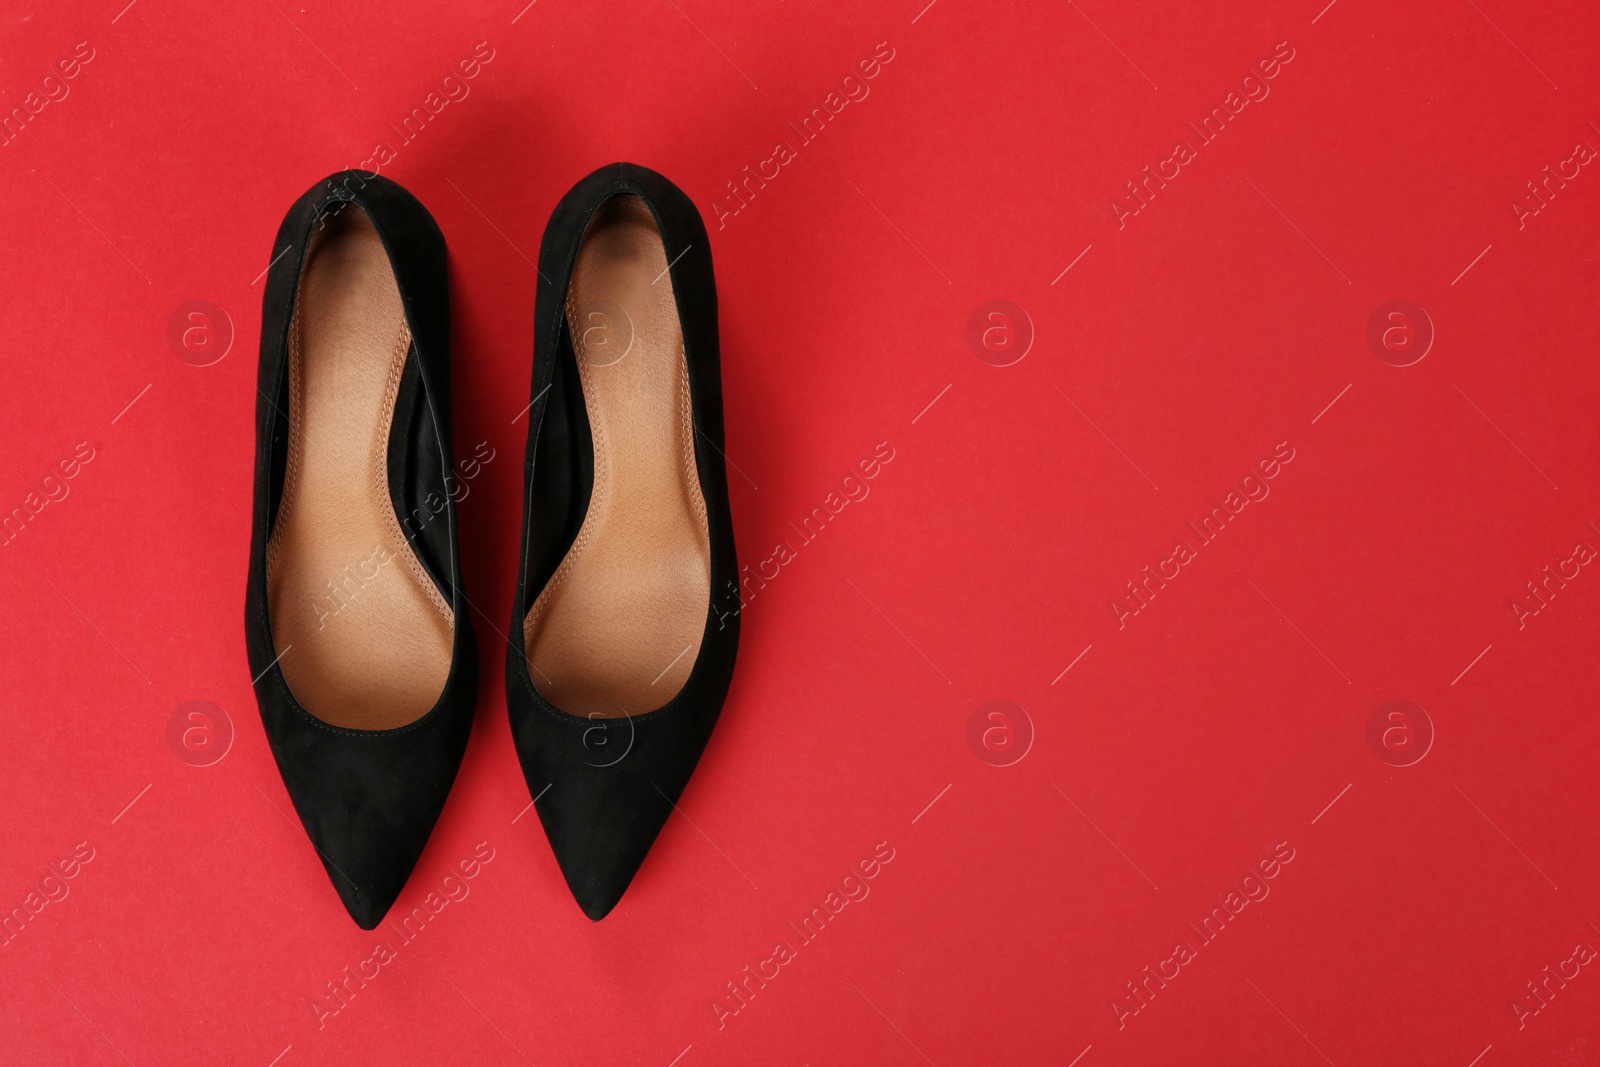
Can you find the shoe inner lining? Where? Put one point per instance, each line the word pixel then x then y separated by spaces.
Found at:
pixel 363 636
pixel 617 628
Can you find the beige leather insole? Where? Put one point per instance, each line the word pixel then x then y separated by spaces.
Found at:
pixel 363 635
pixel 618 627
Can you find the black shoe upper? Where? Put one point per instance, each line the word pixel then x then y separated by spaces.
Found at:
pixel 368 799
pixel 604 787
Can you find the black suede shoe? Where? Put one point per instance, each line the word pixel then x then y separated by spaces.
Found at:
pixel 626 617
pixel 356 625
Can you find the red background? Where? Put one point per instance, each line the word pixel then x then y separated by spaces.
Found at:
pixel 1179 750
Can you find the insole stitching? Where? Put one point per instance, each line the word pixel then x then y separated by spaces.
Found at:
pixel 686 413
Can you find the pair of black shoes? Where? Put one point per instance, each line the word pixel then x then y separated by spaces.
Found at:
pixel 625 619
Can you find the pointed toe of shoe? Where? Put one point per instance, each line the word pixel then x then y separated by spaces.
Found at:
pixel 606 787
pixel 369 875
pixel 366 908
pixel 601 846
pixel 369 840
pixel 596 892
pixel 369 800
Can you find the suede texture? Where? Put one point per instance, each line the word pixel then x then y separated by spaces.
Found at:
pixel 605 787
pixel 368 799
